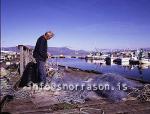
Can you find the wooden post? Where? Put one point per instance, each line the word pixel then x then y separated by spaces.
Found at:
pixel 21 60
pixel 26 56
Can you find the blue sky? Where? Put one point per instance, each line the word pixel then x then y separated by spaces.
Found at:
pixel 77 24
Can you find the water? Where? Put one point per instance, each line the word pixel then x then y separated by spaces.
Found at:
pixel 138 72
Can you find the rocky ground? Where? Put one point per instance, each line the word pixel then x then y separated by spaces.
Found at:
pixel 29 101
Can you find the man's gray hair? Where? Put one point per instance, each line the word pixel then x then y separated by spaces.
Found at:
pixel 49 32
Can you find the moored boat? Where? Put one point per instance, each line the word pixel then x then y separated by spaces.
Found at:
pixel 145 61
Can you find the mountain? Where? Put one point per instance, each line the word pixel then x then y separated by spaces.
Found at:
pixel 53 50
pixel 65 51
pixel 15 49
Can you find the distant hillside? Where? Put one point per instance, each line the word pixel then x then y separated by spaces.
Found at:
pixel 53 50
pixel 10 49
pixel 65 51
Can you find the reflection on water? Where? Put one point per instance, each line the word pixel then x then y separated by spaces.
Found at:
pixel 134 71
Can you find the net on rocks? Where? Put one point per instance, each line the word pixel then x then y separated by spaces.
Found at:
pixel 119 86
pixel 126 88
pixel 142 94
pixel 114 93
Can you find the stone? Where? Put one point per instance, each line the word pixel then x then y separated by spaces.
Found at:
pixel 3 72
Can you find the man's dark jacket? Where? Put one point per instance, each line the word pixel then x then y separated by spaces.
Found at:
pixel 40 50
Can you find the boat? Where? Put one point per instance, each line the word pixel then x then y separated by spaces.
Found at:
pixel 98 61
pixel 134 61
pixel 122 61
pixel 145 61
pixel 125 60
pixel 96 56
pixel 73 56
pixel 61 56
pixel 117 61
pixel 89 56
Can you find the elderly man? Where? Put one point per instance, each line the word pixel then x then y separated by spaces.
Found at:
pixel 40 55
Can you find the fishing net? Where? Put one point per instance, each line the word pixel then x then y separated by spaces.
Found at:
pixel 68 96
pixel 141 94
pixel 119 86
pixel 113 93
pixel 4 87
pixel 73 97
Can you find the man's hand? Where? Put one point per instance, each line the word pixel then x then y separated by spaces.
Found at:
pixel 49 55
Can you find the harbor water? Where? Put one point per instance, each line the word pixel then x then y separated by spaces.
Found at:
pixel 131 71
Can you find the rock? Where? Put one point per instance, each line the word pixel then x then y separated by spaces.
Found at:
pixel 3 72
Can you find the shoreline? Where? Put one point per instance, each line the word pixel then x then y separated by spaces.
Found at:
pixel 96 72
